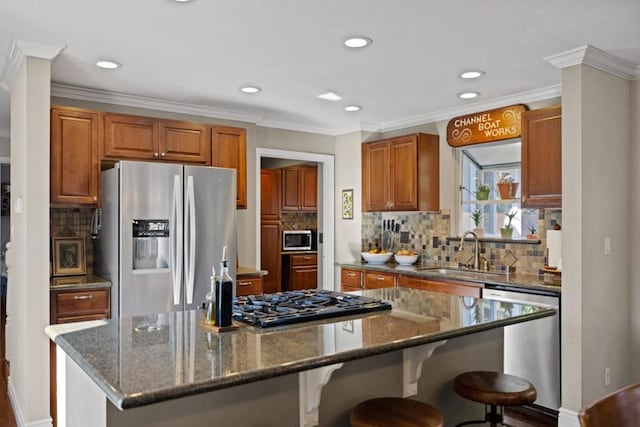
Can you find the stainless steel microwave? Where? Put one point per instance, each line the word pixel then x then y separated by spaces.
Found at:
pixel 297 240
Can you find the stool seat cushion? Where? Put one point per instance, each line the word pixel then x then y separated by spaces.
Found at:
pixel 494 388
pixel 395 411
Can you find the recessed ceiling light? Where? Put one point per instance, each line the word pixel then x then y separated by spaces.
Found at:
pixel 109 65
pixel 330 96
pixel 468 95
pixel 357 42
pixel 250 89
pixel 472 74
pixel 352 108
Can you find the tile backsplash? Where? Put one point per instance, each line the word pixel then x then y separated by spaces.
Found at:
pixel 429 234
pixel 299 221
pixel 73 223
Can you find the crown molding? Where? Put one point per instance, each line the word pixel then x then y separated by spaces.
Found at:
pixel 277 124
pixel 518 98
pixel 116 98
pixel 598 59
pixel 96 95
pixel 5 133
pixel 21 49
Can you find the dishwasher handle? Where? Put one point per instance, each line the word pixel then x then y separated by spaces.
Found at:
pixel 520 290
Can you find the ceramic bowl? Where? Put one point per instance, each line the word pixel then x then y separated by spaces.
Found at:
pixel 405 259
pixel 376 258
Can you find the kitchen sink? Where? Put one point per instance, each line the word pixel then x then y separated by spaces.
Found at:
pixel 455 272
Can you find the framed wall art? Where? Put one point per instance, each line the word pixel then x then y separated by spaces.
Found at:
pixel 68 256
pixel 347 204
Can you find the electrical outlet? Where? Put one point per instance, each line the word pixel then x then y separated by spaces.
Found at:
pixel 607 376
pixel 607 245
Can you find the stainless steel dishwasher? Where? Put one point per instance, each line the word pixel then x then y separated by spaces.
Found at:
pixel 532 349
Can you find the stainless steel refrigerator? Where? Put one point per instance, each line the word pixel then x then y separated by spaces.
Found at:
pixel 163 228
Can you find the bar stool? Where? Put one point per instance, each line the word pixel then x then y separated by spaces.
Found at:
pixel 395 412
pixel 494 389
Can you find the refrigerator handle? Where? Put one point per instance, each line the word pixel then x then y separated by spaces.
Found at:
pixel 192 239
pixel 176 233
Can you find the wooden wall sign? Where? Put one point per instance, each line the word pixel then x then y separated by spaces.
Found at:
pixel 486 126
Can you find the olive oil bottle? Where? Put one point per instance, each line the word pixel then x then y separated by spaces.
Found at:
pixel 223 293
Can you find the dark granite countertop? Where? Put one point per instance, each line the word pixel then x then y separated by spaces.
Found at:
pixel 69 283
pixel 525 281
pixel 142 360
pixel 246 272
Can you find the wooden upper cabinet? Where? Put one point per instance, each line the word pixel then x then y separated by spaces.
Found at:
pixel 75 167
pixel 300 188
pixel 542 158
pixel 401 174
pixel 270 194
pixel 145 138
pixel 309 188
pixel 130 137
pixel 229 150
pixel 291 189
pixel 184 142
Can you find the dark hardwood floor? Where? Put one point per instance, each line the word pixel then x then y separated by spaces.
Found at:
pixel 523 417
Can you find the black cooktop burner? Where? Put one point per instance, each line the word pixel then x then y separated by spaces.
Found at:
pixel 288 307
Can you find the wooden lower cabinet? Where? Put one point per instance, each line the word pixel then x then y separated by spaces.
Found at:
pixel 270 259
pixel 465 289
pixel 300 271
pixel 67 306
pixel 249 286
pixel 351 280
pixel 377 280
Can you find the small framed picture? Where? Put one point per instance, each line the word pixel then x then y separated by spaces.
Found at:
pixel 68 256
pixel 347 204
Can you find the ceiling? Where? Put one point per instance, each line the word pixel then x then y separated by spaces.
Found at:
pixel 198 54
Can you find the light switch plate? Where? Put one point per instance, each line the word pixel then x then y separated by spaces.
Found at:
pixel 607 246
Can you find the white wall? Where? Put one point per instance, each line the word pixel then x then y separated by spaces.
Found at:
pixel 28 282
pixel 596 287
pixel 634 225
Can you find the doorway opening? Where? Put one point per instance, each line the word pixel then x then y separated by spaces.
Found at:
pixel 289 267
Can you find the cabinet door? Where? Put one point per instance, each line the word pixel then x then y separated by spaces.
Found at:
pixel 270 260
pixel 542 158
pixel 351 279
pixel 374 280
pixel 376 186
pixel 130 137
pixel 252 286
pixel 465 289
pixel 303 277
pixel 75 166
pixel 309 188
pixel 404 173
pixel 184 142
pixel 270 194
pixel 291 189
pixel 229 149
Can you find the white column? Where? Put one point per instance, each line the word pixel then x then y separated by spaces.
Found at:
pixel 28 76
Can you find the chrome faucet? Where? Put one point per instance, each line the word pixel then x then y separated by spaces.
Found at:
pixel 476 248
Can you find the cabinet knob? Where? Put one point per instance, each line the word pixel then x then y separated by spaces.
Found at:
pixel 379 278
pixel 95 198
pixel 161 154
pixel 155 154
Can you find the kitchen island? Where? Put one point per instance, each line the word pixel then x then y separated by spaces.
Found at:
pixel 167 369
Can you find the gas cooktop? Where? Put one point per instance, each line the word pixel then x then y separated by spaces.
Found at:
pixel 288 307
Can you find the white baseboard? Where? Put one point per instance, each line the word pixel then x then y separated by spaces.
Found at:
pixel 17 411
pixel 568 418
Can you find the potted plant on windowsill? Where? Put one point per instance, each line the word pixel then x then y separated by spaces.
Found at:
pixel 476 216
pixel 532 232
pixel 507 187
pixel 507 231
pixel 482 192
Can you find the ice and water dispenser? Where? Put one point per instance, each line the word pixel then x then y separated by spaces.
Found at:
pixel 150 244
